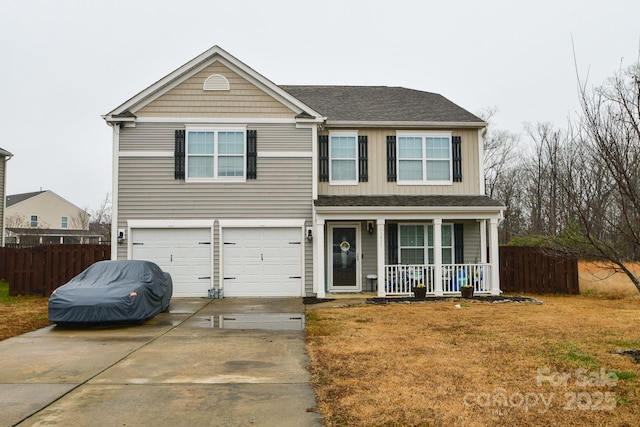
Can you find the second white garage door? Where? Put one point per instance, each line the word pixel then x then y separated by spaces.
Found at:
pixel 185 253
pixel 262 262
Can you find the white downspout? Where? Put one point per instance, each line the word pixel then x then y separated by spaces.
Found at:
pixel 114 190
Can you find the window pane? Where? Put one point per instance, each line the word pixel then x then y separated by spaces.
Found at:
pixel 343 170
pixel 438 170
pixel 412 256
pixel 447 257
pixel 430 235
pixel 438 148
pixel 411 235
pixel 230 143
pixel 446 235
pixel 343 147
pixel 230 166
pixel 410 147
pixel 410 170
pixel 200 143
pixel 200 167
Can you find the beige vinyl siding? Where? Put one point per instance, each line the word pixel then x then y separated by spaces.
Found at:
pixel 471 242
pixel 378 185
pixel 369 256
pixel 283 188
pixel 188 99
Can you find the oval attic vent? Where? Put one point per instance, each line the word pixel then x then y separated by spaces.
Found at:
pixel 216 82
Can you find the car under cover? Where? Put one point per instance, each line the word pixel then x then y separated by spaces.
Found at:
pixel 112 292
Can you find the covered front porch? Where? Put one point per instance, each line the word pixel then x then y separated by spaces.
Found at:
pixel 390 245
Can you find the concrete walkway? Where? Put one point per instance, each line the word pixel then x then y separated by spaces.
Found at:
pixel 174 370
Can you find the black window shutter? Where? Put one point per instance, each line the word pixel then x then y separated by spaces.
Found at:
pixel 458 242
pixel 363 158
pixel 456 148
pixel 391 158
pixel 179 154
pixel 323 158
pixel 392 240
pixel 252 154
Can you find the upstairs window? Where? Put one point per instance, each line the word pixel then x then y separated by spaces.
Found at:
pixel 343 164
pixel 34 221
pixel 424 158
pixel 64 222
pixel 215 154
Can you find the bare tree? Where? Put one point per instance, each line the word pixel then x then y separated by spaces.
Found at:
pixel 604 188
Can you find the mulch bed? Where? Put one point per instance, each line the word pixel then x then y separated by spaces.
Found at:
pixel 491 299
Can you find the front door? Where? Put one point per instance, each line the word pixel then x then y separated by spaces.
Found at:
pixel 344 273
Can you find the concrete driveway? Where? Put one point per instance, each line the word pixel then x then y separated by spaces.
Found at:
pixel 179 368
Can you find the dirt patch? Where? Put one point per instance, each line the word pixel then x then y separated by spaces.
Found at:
pixel 22 314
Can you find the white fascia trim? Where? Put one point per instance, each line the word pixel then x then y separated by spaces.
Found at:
pixel 146 154
pixel 403 125
pixel 170 223
pixel 265 223
pixel 285 154
pixel 215 121
pixel 399 216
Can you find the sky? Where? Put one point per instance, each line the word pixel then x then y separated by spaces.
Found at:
pixel 64 63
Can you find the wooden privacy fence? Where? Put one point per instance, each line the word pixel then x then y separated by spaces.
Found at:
pixel 39 270
pixel 535 270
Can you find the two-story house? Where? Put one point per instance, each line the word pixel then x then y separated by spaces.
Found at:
pixel 238 186
pixel 44 218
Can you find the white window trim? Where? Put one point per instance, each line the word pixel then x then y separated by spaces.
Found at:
pixel 31 221
pixel 426 246
pixel 64 224
pixel 424 135
pixel 216 130
pixel 353 134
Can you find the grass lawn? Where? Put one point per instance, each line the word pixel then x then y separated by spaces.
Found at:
pixel 20 314
pixel 477 365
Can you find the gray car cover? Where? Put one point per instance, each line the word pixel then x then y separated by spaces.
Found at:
pixel 112 291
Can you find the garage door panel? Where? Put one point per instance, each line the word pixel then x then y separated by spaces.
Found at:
pixel 263 262
pixel 183 253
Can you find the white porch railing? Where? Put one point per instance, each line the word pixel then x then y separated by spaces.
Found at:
pixel 401 278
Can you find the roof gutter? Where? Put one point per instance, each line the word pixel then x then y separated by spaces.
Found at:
pixel 404 125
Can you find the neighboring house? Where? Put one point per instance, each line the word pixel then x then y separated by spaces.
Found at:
pixel 236 185
pixel 4 159
pixel 44 218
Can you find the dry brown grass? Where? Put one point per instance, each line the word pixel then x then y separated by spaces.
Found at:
pixel 597 279
pixel 20 314
pixel 434 364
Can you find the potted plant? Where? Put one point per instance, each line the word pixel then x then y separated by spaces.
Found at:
pixel 466 291
pixel 420 290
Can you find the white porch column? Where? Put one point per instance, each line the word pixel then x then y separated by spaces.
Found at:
pixel 483 241
pixel 318 259
pixel 437 256
pixel 494 257
pixel 381 272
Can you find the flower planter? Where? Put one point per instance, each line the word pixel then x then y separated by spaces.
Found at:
pixel 466 291
pixel 419 292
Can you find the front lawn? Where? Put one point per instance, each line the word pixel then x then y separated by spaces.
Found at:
pixel 20 314
pixel 477 365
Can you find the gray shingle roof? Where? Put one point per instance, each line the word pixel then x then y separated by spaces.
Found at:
pixel 4 152
pixel 413 201
pixel 380 103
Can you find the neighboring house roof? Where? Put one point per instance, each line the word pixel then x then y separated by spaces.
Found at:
pixel 5 153
pixel 381 104
pixel 412 201
pixel 17 198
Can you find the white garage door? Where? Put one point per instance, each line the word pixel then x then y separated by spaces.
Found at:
pixel 262 262
pixel 185 253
